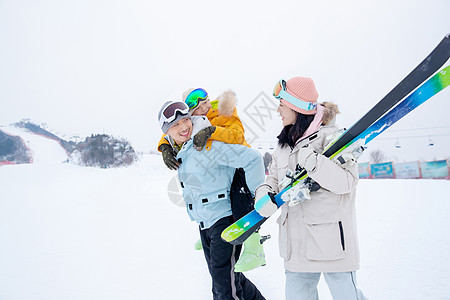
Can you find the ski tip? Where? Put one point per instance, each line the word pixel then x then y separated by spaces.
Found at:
pixel 229 239
pixel 225 237
pixel 447 36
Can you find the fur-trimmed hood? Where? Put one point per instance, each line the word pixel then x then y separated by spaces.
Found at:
pixel 226 103
pixel 325 116
pixel 330 112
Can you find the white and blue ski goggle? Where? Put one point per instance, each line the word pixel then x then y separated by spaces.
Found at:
pixel 280 92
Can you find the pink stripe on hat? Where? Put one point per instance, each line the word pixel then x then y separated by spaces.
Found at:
pixel 302 88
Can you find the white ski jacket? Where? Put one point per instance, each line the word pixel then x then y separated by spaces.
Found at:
pixel 318 235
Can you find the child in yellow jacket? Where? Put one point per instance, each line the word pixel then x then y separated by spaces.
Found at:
pixel 223 116
pixel 226 127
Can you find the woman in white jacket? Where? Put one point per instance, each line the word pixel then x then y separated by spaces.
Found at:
pixel 316 235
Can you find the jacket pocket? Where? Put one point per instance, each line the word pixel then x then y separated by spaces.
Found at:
pixel 213 197
pixel 213 204
pixel 282 167
pixel 284 241
pixel 325 242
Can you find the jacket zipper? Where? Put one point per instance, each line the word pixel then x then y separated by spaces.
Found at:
pixel 341 230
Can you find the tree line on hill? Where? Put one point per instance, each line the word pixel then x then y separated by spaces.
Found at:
pixel 12 149
pixel 98 150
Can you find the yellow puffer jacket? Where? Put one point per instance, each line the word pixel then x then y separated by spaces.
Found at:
pixel 223 115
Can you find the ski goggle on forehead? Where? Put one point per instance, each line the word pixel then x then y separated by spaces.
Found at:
pixel 280 92
pixel 169 113
pixel 194 97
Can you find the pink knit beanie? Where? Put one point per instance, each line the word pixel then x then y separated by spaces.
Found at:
pixel 302 88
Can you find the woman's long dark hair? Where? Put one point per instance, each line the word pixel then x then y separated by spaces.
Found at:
pixel 291 133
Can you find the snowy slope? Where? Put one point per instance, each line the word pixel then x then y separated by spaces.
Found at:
pixel 43 149
pixel 70 232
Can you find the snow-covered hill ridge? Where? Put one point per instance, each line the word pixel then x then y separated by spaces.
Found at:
pixel 42 149
pixel 19 144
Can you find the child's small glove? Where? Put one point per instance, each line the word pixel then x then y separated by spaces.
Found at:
pixel 168 155
pixel 202 137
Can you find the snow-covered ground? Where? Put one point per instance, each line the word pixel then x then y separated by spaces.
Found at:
pixel 70 232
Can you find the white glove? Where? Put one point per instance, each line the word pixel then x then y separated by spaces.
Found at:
pixel 263 203
pixel 298 193
pixel 349 156
pixel 307 158
pixel 286 181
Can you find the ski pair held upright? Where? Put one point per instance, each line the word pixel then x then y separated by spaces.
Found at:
pixel 426 80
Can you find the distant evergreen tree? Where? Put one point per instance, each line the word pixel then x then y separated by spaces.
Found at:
pixel 103 151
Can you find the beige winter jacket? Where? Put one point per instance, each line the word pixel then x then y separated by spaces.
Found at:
pixel 318 235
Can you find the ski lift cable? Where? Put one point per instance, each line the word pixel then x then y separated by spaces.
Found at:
pixel 415 129
pixel 414 136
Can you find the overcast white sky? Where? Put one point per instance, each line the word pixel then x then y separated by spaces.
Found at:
pixel 91 66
